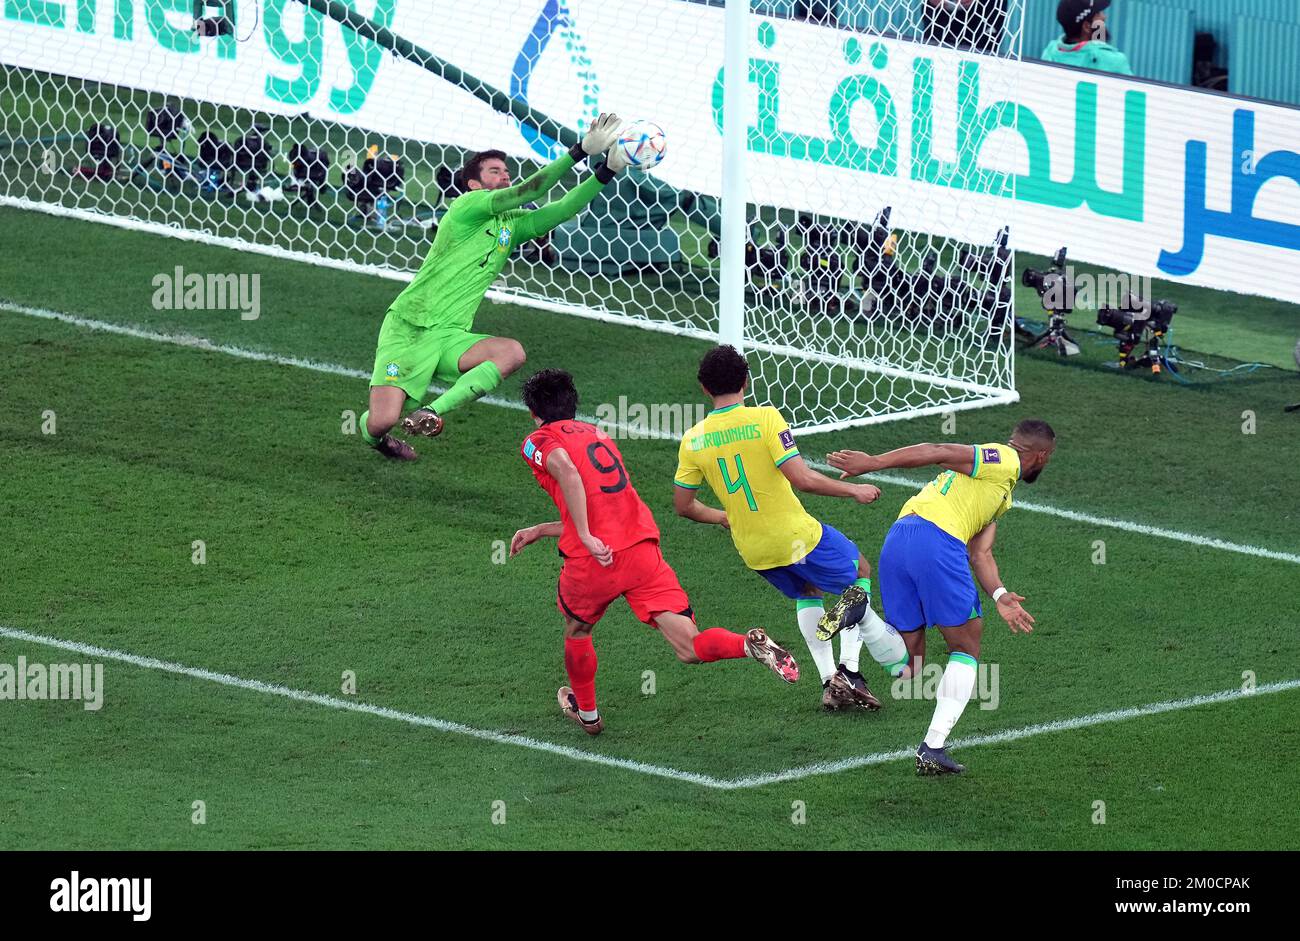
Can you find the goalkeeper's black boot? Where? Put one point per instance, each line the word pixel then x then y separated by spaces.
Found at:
pixel 396 449
pixel 423 421
pixel 845 613
pixel 935 761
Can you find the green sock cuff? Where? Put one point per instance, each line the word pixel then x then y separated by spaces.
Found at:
pixel 963 658
pixel 896 669
pixel 864 584
pixel 473 384
pixel 490 368
pixel 366 436
pixel 801 603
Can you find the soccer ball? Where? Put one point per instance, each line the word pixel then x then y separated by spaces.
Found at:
pixel 643 143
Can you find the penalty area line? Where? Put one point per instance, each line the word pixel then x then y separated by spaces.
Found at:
pixel 660 771
pixel 345 705
pixel 1014 735
pixel 333 369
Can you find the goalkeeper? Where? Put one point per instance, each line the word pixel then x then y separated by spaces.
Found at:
pixel 427 332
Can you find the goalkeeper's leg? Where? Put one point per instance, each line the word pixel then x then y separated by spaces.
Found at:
pixel 406 356
pixel 480 364
pixel 385 409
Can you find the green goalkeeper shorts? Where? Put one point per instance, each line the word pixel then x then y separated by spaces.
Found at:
pixel 412 357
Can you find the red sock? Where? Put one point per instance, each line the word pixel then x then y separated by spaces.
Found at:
pixel 580 664
pixel 718 643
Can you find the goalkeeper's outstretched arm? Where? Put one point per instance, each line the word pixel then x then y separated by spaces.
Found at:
pixel 599 138
pixel 538 222
pixel 532 188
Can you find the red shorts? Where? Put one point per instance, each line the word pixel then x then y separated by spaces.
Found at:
pixel 638 573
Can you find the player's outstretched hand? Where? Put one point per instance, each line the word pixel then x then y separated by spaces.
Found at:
pixel 852 463
pixel 523 537
pixel 866 493
pixel 599 551
pixel 601 135
pixel 1018 619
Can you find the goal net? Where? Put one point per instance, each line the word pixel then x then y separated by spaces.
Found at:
pixel 879 164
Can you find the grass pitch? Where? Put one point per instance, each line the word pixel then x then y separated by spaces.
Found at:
pixel 322 559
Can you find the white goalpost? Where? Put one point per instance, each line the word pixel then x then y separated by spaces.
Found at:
pixel 840 211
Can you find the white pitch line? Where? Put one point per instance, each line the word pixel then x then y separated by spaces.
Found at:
pixel 333 702
pixel 1013 735
pixel 202 343
pixel 659 771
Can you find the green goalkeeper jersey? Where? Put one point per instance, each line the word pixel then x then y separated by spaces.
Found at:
pixel 474 240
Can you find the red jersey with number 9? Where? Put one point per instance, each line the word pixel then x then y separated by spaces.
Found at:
pixel 616 514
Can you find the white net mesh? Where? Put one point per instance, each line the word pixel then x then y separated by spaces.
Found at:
pixel 880 287
pixel 332 131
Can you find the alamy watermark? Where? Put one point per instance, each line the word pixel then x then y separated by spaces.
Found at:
pixel 182 290
pixel 924 683
pixel 632 420
pixel 38 681
pixel 1079 290
pixel 78 893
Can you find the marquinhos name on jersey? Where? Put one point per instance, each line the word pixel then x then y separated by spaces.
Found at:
pixel 739 450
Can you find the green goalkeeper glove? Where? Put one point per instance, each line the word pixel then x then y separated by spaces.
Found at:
pixel 602 133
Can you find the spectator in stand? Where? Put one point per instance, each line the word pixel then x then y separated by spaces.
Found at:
pixel 1084 44
pixel 972 25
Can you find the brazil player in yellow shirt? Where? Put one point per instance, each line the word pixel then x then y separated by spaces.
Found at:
pixel 748 456
pixel 941 534
pixel 427 333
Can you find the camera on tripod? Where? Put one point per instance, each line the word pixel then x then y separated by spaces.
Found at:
pixel 371 184
pixel 164 125
pixel 994 268
pixel 1139 322
pixel 249 156
pixel 214 17
pixel 310 167
pixel 823 265
pixel 932 298
pixel 1056 292
pixel 104 147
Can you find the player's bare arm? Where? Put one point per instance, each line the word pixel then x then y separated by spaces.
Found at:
pixel 806 480
pixel 686 504
pixel 560 466
pixel 530 534
pixel 985 567
pixel 956 457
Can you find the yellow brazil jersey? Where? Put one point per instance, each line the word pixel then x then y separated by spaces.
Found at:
pixel 739 450
pixel 961 506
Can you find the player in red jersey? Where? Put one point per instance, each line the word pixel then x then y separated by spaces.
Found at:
pixel 610 545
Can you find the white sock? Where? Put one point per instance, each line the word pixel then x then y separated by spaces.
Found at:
pixel 955 687
pixel 588 716
pixel 883 642
pixel 823 651
pixel 850 645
